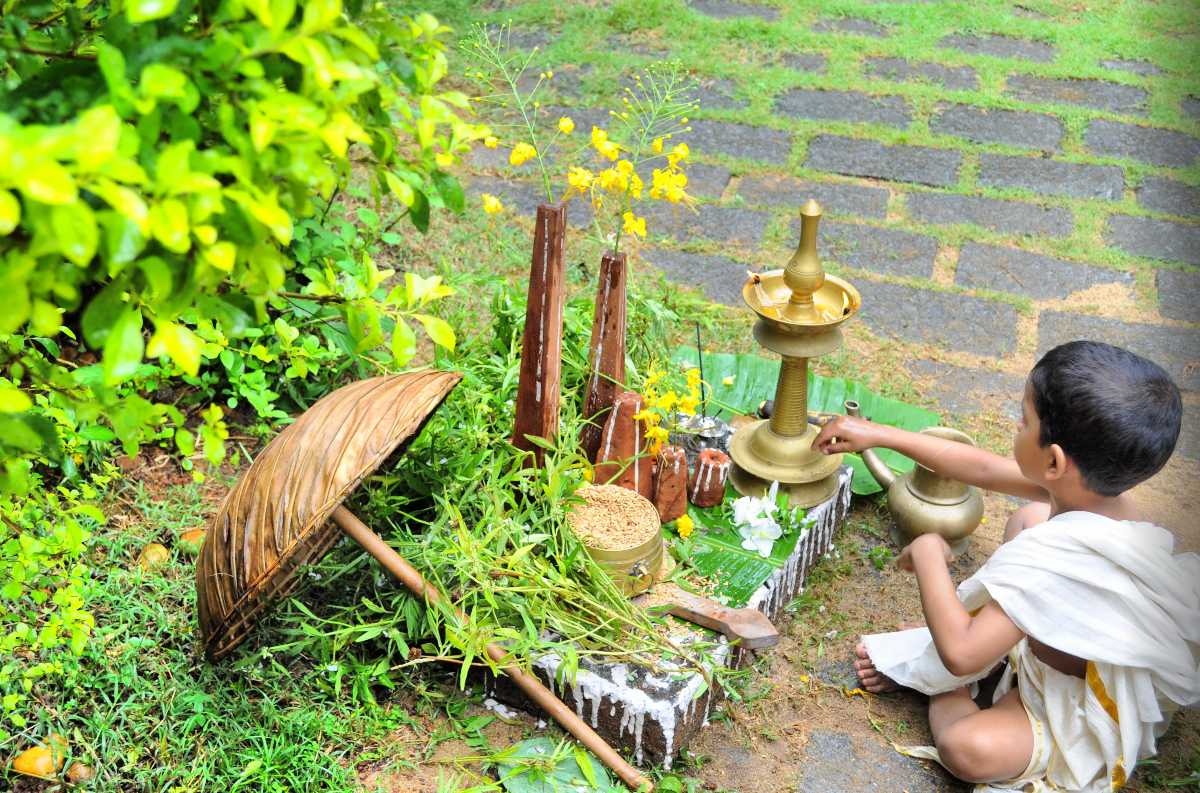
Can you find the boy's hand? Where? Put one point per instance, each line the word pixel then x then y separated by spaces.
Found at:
pixel 925 544
pixel 847 434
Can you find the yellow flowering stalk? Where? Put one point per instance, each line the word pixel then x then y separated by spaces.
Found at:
pixel 491 204
pixel 661 412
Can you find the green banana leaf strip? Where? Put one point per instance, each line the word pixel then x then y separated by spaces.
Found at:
pixel 754 379
pixel 531 766
pixel 717 553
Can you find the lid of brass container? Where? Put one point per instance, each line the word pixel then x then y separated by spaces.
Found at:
pixel 620 530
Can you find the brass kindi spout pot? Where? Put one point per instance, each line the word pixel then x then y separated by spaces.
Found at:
pixel 922 501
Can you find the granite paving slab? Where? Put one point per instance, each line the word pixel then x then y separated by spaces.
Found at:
pixel 740 140
pixel 1178 294
pixel 1006 217
pixel 956 78
pixel 736 225
pixel 949 320
pixel 1190 105
pixel 721 9
pixel 963 389
pixel 1146 144
pixel 851 25
pixel 650 48
pixel 854 157
pixel 1188 444
pixel 1169 196
pixel 1175 349
pixel 1052 177
pixel 853 106
pixel 834 198
pixel 1009 127
pixel 1000 47
pixel 706 181
pixel 804 62
pixel 719 94
pixel 1099 94
pixel 1157 239
pixel 836 763
pixel 1030 274
pixel 720 278
pixel 877 250
pixel 522 197
pixel 1137 67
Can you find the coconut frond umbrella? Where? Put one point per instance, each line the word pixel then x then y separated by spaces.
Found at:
pixel 286 512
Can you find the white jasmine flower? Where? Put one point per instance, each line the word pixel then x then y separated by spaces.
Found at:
pixel 754 517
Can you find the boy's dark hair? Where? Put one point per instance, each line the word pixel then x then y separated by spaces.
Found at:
pixel 1115 414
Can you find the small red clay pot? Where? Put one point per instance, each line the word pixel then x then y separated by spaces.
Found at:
pixel 707 485
pixel 670 483
pixel 619 460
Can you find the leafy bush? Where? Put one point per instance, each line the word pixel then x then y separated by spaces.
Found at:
pixel 157 161
pixel 171 248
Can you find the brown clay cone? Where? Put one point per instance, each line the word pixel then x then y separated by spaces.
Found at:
pixel 541 346
pixel 607 352
pixel 707 485
pixel 620 461
pixel 670 483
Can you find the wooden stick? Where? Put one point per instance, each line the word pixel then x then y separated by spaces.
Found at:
pixel 395 564
pixel 536 411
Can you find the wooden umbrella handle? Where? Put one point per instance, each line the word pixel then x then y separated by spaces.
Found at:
pixel 395 564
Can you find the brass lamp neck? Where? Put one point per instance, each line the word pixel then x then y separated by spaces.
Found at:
pixel 804 274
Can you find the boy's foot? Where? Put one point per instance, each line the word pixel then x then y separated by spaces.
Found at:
pixel 869 677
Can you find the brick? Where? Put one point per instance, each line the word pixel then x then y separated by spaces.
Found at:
pixel 951 321
pixel 740 140
pixel 725 224
pixel 1175 349
pixel 1136 67
pixel 956 78
pixel 1099 94
pixel 852 26
pixel 1147 144
pixel 1000 47
pixel 1006 217
pixel 878 250
pixel 804 62
pixel 1009 127
pixel 719 9
pixel 721 279
pixel 1052 177
pixel 843 106
pixel 1167 195
pixel 1030 274
pixel 853 157
pixel 1157 239
pixel 1178 294
pixel 834 198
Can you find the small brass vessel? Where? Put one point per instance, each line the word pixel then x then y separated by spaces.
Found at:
pixel 800 309
pixel 922 502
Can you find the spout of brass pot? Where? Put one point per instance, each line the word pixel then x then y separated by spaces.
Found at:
pixel 878 468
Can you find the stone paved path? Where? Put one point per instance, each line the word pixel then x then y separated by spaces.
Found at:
pixel 1002 209
pixel 987 203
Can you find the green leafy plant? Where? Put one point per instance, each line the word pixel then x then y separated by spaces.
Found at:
pixel 157 160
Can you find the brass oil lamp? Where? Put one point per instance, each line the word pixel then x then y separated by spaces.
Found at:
pixel 800 309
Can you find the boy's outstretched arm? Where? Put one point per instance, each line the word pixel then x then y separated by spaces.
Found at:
pixel 959 461
pixel 966 644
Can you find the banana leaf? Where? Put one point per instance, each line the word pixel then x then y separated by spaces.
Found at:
pixel 753 382
pixel 716 552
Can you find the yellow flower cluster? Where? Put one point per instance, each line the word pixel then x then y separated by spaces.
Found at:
pixel 491 204
pixel 684 525
pixel 669 183
pixel 522 153
pixel 663 406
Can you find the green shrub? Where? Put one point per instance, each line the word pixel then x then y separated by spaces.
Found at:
pixel 158 159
